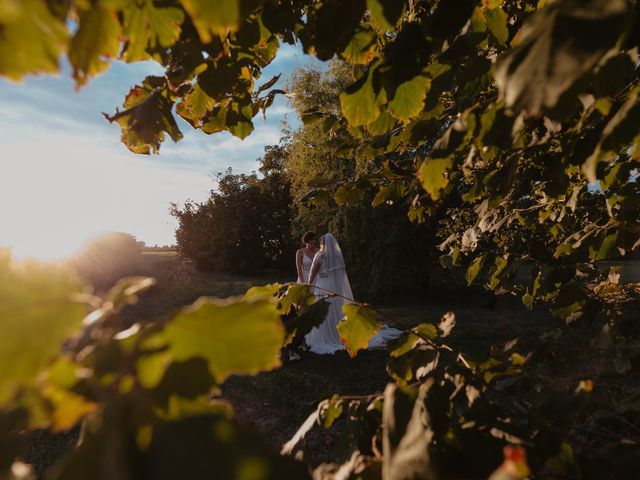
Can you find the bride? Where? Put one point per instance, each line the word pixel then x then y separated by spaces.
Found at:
pixel 328 274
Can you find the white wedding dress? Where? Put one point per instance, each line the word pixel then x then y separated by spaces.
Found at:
pixel 332 277
pixel 306 268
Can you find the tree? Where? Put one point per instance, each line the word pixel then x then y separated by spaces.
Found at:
pixel 245 225
pixel 386 254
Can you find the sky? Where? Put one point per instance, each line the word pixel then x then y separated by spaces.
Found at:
pixel 65 176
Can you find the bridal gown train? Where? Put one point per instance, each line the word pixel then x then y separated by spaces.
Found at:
pixel 332 277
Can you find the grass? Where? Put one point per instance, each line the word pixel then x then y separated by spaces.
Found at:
pixel 276 403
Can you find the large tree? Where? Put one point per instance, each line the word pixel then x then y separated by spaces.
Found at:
pixel 387 254
pixel 245 225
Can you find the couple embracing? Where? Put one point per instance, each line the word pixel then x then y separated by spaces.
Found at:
pixel 320 263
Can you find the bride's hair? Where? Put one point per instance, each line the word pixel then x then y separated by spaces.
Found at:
pixel 307 237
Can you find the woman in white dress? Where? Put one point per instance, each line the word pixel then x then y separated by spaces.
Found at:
pixel 329 274
pixel 304 256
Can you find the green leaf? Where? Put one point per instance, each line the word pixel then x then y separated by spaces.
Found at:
pixel 389 193
pixel 386 13
pixel 497 22
pixel 195 105
pixel 496 274
pixel 474 268
pixel 382 124
pixel 36 315
pixel 147 27
pixel 403 344
pixel 263 292
pixel 556 46
pixel 95 43
pixel 432 175
pixel 408 100
pixel 215 329
pixel 409 340
pixel 348 194
pixel 31 38
pixel 406 434
pixel 361 47
pixel 68 408
pixel 358 327
pixel 146 118
pixel 213 17
pixel 607 248
pixel 359 103
pixel 329 411
pixel 621 130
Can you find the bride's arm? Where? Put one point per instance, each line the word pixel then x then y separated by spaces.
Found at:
pixel 299 265
pixel 315 267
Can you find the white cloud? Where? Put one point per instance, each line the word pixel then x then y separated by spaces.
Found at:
pixel 64 175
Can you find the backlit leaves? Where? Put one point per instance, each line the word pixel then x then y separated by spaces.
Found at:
pixel 432 174
pixel 386 13
pixel 31 38
pixel 496 19
pixel 213 17
pixel 36 314
pixel 358 327
pixel 214 329
pixel 555 47
pixel 359 103
pixel 619 132
pixel 95 43
pixel 147 117
pixel 408 100
pixel 361 47
pixel 148 27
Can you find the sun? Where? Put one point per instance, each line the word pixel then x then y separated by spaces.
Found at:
pixel 46 246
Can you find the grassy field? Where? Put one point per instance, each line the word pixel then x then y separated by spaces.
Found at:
pixel 276 403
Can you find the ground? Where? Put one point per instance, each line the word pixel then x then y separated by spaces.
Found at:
pixel 276 403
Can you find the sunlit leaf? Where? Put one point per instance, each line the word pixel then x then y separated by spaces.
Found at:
pixel 382 124
pixel 213 17
pixel 386 12
pixel 359 103
pixel 95 43
pixel 145 120
pixel 358 327
pixel 389 194
pixel 433 175
pixel 213 329
pixel 36 314
pixel 497 22
pixel 147 27
pixel 474 268
pixel 329 411
pixel 348 194
pixel 31 38
pixel 408 100
pixel 195 105
pixel 68 408
pixel 360 48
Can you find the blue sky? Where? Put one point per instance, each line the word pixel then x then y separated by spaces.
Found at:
pixel 65 175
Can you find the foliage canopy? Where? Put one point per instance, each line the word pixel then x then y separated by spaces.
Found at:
pixel 517 111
